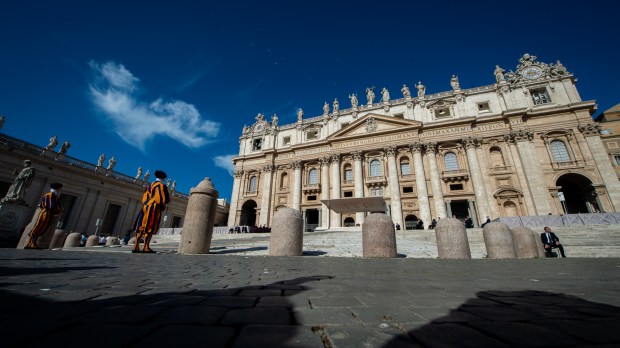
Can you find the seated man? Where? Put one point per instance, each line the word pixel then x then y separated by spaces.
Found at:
pixel 550 241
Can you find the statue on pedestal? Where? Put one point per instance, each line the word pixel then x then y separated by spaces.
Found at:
pixel 300 115
pixel 499 74
pixel 370 94
pixel 406 92
pixel 111 163
pixel 454 82
pixel 336 107
pixel 52 144
pixel 421 89
pixel 385 95
pixel 147 175
pixel 325 108
pixel 139 174
pixel 274 121
pixel 1 121
pixel 18 188
pixel 64 147
pixel 353 98
pixel 100 160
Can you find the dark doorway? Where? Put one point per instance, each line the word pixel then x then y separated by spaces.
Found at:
pixel 67 202
pixel 410 222
pixel 579 194
pixel 248 214
pixel 312 219
pixel 107 227
pixel 349 222
pixel 460 209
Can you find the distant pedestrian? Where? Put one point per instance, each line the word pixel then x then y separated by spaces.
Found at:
pixel 551 241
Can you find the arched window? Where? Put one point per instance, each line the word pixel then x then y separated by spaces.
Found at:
pixel 313 177
pixel 450 161
pixel 348 173
pixel 558 151
pixel 497 159
pixel 284 180
pixel 253 184
pixel 375 168
pixel 405 167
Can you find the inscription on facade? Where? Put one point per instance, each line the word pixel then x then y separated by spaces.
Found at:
pixel 375 140
pixel 446 131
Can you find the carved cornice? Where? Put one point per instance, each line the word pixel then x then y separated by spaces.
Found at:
pixel 357 155
pixel 471 142
pixel 416 147
pixel 296 164
pixel 590 129
pixel 390 151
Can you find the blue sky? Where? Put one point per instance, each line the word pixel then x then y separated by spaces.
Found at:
pixel 169 85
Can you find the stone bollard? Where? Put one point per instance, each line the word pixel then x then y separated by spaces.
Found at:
pixel 498 241
pixel 44 239
pixel 112 241
pixel 524 242
pixel 452 242
pixel 132 241
pixel 58 240
pixel 287 235
pixel 378 236
pixel 540 248
pixel 73 240
pixel 92 241
pixel 199 219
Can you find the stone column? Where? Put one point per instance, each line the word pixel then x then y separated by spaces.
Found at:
pixel 449 208
pixel 265 204
pixel 482 199
pixel 533 176
pixel 296 185
pixel 358 182
pixel 378 236
pixel 591 133
pixel 232 212
pixel 336 217
pixel 472 212
pixel 287 235
pixel 324 191
pixel 199 219
pixel 527 195
pixel 420 181
pixel 397 209
pixel 440 205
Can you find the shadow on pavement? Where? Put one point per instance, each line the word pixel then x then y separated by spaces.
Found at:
pixel 250 316
pixel 10 271
pixel 233 251
pixel 521 319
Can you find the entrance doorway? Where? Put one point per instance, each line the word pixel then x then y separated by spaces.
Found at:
pixel 579 194
pixel 107 227
pixel 460 209
pixel 312 220
pixel 248 214
pixel 410 222
pixel 349 222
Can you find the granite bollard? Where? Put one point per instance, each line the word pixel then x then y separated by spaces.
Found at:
pixel 540 248
pixel 73 240
pixel 44 239
pixel 58 240
pixel 525 243
pixel 378 236
pixel 452 242
pixel 498 241
pixel 287 235
pixel 112 241
pixel 199 219
pixel 92 241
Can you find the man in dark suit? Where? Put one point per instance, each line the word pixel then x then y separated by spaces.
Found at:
pixel 550 241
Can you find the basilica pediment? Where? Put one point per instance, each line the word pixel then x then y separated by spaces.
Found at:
pixel 375 124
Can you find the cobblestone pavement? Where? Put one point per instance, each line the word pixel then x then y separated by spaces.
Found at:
pixel 113 299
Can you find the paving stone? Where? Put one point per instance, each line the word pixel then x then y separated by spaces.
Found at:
pixel 499 313
pixel 430 314
pixel 121 314
pixel 269 316
pixel 526 334
pixel 260 293
pixel 17 332
pixel 385 315
pixel 175 300
pixel 188 336
pixel 252 336
pixel 275 301
pixel 368 336
pixel 453 335
pixel 326 302
pixel 200 315
pixel 107 335
pixel 230 301
pixel 604 330
pixel 325 316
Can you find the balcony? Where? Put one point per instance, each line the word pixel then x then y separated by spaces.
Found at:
pixel 374 181
pixel 455 175
pixel 311 188
pixel 567 165
pixel 347 183
pixel 500 170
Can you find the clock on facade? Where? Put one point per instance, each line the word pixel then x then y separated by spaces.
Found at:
pixel 532 72
pixel 259 127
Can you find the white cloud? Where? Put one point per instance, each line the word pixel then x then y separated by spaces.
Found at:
pixel 136 121
pixel 225 162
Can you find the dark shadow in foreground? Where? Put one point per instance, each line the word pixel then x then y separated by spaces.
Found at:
pixel 521 319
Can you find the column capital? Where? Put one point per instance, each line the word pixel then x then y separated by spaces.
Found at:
pixel 520 135
pixel 335 158
pixel 590 129
pixel 268 168
pixel 431 147
pixel 296 164
pixel 390 151
pixel 324 161
pixel 238 173
pixel 357 155
pixel 416 147
pixel 471 142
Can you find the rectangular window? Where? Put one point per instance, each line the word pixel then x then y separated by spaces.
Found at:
pixel 612 145
pixel 483 107
pixel 405 168
pixel 109 220
pixel 456 187
pixel 257 144
pixel 348 174
pixel 176 221
pixel 348 193
pixel 312 198
pixel 399 115
pixel 540 96
pixel 617 160
pixel 67 202
pixel 344 124
pixel 442 113
pixel 407 189
pixel 286 141
pixel 312 135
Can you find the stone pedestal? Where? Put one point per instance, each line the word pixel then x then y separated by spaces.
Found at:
pixel 287 235
pixel 73 240
pixel 378 236
pixel 45 238
pixel 199 219
pixel 92 241
pixel 452 242
pixel 498 241
pixel 526 246
pixel 58 239
pixel 112 241
pixel 13 217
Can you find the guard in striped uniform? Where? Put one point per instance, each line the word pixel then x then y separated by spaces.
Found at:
pixel 50 206
pixel 157 197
